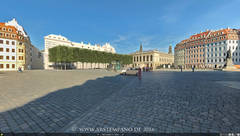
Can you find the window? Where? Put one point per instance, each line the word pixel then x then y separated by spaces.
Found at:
pixel 7 42
pixel 13 50
pixel 7 49
pixel 13 43
pixel 1 49
pixel 1 66
pixel 20 57
pixel 1 41
pixel 13 57
pixel 151 58
pixel 20 50
pixel 7 57
pixel 1 57
pixel 7 65
pixel 13 65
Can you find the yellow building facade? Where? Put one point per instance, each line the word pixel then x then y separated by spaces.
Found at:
pixel 152 59
pixel 16 50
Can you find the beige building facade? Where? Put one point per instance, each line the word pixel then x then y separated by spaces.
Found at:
pixel 179 52
pixel 153 59
pixel 56 40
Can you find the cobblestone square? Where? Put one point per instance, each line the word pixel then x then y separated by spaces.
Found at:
pixel 71 101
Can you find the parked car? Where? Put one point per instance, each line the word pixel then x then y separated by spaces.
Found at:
pixel 133 72
pixel 123 72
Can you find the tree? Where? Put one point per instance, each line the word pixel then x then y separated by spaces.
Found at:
pixel 62 54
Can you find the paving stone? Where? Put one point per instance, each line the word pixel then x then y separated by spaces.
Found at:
pixel 166 101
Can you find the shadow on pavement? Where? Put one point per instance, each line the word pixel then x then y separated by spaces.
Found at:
pixel 55 110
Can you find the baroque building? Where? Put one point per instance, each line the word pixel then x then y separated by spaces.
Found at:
pixel 52 40
pixel 15 48
pixel 208 49
pixel 179 58
pixel 153 59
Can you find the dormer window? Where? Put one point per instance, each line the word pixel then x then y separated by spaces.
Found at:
pixel 10 30
pixel 4 29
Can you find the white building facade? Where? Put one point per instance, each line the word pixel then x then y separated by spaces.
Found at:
pixel 8 54
pixel 16 50
pixel 216 52
pixel 52 40
pixel 209 49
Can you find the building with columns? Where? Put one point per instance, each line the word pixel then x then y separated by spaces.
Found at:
pixel 56 40
pixel 153 59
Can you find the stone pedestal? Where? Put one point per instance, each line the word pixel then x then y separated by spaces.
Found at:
pixel 230 66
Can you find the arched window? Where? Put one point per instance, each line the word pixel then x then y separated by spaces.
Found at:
pixel 151 58
pixel 147 58
pixel 137 58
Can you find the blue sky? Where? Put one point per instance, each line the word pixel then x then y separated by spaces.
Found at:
pixel 123 23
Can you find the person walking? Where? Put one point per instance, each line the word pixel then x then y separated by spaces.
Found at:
pixel 20 69
pixel 193 68
pixel 181 68
pixel 139 74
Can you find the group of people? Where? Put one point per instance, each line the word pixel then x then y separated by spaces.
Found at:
pixel 146 69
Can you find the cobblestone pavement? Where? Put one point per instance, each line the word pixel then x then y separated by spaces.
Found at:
pixel 160 102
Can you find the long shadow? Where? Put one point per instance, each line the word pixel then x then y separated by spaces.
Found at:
pixel 55 110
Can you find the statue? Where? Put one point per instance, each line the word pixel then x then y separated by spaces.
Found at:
pixel 229 64
pixel 229 54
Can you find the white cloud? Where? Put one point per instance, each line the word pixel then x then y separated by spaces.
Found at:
pixel 119 39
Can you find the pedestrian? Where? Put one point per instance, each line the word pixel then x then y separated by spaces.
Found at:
pixel 193 68
pixel 181 68
pixel 19 69
pixel 139 74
